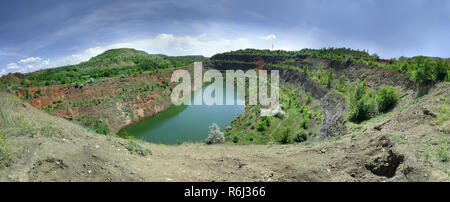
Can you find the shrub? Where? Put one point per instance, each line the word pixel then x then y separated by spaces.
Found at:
pixel 261 126
pixel 264 123
pixel 102 128
pixel 285 136
pixel 215 135
pixel 440 71
pixel 301 136
pixel 309 98
pixel 427 71
pixel 304 123
pixel 341 85
pixel 444 113
pixel 266 119
pixel 386 98
pixel 361 103
pixel 329 78
pixel 442 154
pixel 235 139
pixel 423 74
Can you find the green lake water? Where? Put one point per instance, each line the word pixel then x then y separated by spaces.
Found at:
pixel 185 123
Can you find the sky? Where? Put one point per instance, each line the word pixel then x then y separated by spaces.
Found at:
pixel 50 33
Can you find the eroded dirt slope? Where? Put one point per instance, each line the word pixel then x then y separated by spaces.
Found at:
pixel 115 102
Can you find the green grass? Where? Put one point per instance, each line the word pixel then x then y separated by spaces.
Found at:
pixel 438 146
pixel 354 135
pixel 442 153
pixel 251 128
pixel 5 153
pixel 14 122
pixel 399 138
pixel 49 130
pixel 134 147
pixel 444 112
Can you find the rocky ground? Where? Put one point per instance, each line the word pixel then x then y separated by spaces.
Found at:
pixel 403 145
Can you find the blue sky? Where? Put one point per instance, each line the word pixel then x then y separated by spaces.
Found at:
pixel 49 33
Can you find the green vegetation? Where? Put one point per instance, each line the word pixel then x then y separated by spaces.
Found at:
pixel 399 138
pixel 438 147
pixel 112 63
pixel 444 112
pixel 361 103
pixel 424 70
pixel 14 122
pixel 323 77
pixel 302 118
pixel 386 98
pixel 285 137
pixel 264 123
pixel 341 85
pixel 308 98
pixel 364 102
pixel 443 153
pixel 95 124
pixel 301 135
pixel 134 147
pixel 5 153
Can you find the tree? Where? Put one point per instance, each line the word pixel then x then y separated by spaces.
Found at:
pixel 362 103
pixel 215 135
pixel 309 98
pixel 330 78
pixel 261 126
pixel 285 136
pixel 341 85
pixel 386 98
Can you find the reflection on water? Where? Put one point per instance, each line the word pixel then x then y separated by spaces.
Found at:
pixel 186 123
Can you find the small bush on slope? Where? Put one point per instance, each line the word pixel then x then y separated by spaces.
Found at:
pixel 362 103
pixel 5 155
pixel 386 98
pixel 285 137
pixel 341 85
pixel 301 135
pixel 215 135
pixel 133 147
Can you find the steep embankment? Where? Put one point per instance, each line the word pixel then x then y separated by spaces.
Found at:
pixel 113 102
pixel 106 93
pixel 333 103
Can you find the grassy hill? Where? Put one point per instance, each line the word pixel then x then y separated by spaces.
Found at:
pixel 112 63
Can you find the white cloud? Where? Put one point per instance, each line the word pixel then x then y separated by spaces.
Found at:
pixel 269 37
pixel 184 45
pixel 30 60
pixel 26 65
pixel 163 43
pixel 12 66
pixel 78 57
pixel 168 44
